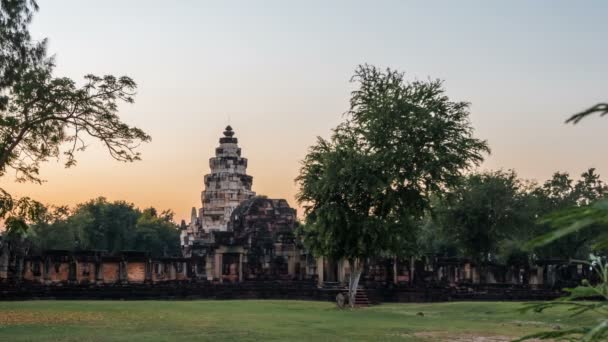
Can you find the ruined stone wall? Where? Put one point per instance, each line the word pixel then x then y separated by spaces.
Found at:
pixel 59 272
pixel 33 270
pixel 85 271
pixel 111 272
pixel 266 290
pixel 136 272
pixel 181 271
pixel 229 264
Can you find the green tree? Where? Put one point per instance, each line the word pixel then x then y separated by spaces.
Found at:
pixel 560 194
pixel 365 189
pixel 483 211
pixel 110 226
pixel 157 234
pixel 490 216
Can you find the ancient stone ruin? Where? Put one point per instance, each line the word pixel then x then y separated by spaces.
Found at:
pixel 243 245
pixel 237 235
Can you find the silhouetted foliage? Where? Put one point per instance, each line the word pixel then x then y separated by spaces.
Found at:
pixel 600 108
pixel 44 113
pixel 42 116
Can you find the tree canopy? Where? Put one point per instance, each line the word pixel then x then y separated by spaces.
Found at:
pixel 109 226
pixel 482 211
pixel 490 217
pixel 366 188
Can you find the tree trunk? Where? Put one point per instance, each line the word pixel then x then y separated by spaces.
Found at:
pixel 356 269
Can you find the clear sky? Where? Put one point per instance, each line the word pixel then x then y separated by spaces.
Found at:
pixel 278 72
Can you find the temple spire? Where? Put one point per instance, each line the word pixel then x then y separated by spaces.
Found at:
pixel 193 215
pixel 227 184
pixel 228 132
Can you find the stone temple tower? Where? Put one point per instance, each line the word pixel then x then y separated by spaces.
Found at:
pixel 226 186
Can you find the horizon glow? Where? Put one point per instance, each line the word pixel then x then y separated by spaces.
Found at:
pixel 279 73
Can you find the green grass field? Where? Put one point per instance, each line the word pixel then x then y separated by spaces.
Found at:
pixel 260 320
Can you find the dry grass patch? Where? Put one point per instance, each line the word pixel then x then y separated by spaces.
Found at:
pixel 439 336
pixel 19 317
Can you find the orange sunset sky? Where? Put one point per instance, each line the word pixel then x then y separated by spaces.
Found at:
pixel 279 73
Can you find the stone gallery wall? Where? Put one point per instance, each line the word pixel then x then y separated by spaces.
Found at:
pixel 297 290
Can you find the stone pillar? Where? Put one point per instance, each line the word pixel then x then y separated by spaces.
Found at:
pixel 209 268
pixel 540 275
pixel 72 270
pixel 291 265
pixel 412 270
pixel 218 266
pixel 320 270
pixel 341 271
pixel 240 267
pixel 308 269
pixel 395 269
pixel 46 274
pixel 148 271
pixel 99 271
pixel 122 271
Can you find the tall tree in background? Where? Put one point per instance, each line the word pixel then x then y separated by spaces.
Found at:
pixel 490 216
pixel 562 193
pixel 111 226
pixel 366 189
pixel 482 211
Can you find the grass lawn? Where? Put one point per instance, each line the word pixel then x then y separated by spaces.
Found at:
pixel 263 320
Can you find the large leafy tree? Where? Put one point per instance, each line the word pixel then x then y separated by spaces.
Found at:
pixel 365 189
pixel 43 116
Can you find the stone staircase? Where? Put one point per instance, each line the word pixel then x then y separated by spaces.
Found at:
pixel 361 298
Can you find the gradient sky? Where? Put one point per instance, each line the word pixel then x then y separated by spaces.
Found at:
pixel 278 72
